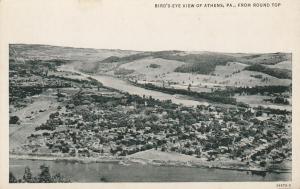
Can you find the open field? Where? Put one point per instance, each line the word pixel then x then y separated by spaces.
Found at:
pixel 162 156
pixel 282 65
pixel 258 100
pixel 18 133
pixel 231 74
pixel 143 66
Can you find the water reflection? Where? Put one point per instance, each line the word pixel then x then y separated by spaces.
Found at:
pixel 113 172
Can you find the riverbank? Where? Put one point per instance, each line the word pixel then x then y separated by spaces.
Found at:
pixel 155 158
pixel 122 172
pixel 123 85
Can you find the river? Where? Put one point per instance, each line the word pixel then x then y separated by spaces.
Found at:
pixel 114 172
pixel 125 86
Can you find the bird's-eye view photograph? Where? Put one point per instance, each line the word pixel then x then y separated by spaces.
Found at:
pixel 88 115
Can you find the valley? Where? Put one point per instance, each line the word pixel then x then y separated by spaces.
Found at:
pixel 199 109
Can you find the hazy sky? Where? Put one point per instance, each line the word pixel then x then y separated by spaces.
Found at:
pixel 137 25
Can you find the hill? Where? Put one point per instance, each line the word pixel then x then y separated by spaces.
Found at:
pixel 181 67
pixel 205 62
pixel 275 72
pixel 85 59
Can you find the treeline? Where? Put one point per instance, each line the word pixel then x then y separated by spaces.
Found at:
pixel 203 64
pixel 203 68
pixel 126 100
pixel 123 71
pixel 125 59
pixel 24 91
pixel 275 72
pixel 51 62
pixel 223 96
pixel 21 92
pixel 261 89
pixel 267 59
pixel 278 100
pixel 154 66
pixel 274 111
pixel 43 177
pixel 90 81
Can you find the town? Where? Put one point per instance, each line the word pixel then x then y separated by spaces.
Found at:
pixel 90 120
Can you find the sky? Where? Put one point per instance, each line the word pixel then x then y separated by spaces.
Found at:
pixel 137 25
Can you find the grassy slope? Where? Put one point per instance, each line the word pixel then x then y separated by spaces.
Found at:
pixel 282 65
pixel 206 62
pixel 143 66
pixel 99 60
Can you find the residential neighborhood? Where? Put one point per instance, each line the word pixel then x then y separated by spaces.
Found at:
pixel 59 112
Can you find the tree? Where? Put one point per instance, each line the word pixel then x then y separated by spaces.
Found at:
pixel 12 178
pixel 153 117
pixel 27 177
pixel 44 176
pixel 263 163
pixel 14 119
